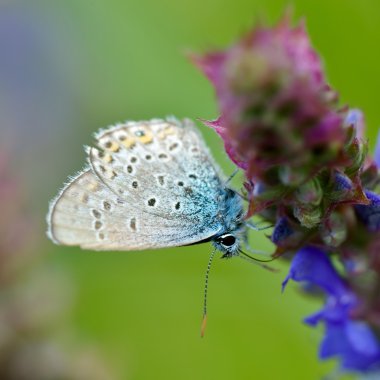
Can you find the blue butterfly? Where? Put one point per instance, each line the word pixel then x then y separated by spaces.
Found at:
pixel 149 184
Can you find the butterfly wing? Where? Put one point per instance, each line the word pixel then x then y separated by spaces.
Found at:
pixel 149 185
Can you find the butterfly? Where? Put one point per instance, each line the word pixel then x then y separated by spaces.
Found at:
pixel 149 184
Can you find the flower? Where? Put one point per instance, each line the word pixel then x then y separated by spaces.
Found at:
pixel 350 340
pixel 308 173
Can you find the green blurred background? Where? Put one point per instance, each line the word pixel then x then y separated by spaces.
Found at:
pixel 71 67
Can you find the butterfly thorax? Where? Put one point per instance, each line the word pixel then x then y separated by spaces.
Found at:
pixel 231 215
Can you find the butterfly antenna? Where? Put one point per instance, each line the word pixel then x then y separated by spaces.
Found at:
pixel 204 320
pixel 243 255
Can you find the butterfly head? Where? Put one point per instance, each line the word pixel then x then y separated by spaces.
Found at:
pixel 231 216
pixel 228 244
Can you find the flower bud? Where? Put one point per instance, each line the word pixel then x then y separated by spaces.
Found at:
pixel 282 231
pixel 370 214
pixel 334 231
pixel 310 193
pixel 308 216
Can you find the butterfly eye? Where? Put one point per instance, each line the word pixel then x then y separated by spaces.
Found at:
pixel 227 240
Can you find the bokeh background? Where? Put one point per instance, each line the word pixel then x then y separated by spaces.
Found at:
pixel 70 67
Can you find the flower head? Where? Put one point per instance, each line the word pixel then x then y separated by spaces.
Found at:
pixel 275 106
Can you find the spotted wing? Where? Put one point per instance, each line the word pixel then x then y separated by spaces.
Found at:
pixel 149 185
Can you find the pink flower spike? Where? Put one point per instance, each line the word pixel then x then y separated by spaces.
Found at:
pixel 274 102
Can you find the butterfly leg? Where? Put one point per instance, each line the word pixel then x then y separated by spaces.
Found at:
pixel 254 251
pixel 250 249
pixel 229 179
pixel 227 255
pixel 255 227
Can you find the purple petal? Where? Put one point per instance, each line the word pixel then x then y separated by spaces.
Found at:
pixel 334 342
pixel 376 156
pixel 354 343
pixel 335 310
pixel 312 265
pixel 313 320
pixel 362 338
